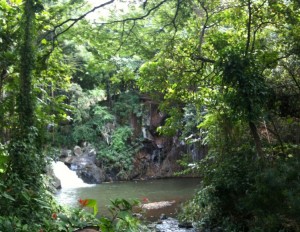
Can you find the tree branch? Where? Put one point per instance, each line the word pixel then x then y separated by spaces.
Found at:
pixel 75 20
pixel 176 14
pixel 135 18
pixel 293 76
pixel 122 35
pixel 248 27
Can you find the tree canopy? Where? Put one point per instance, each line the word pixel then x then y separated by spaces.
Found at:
pixel 225 72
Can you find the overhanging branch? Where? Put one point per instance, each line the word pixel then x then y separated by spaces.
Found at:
pixel 135 18
pixel 75 20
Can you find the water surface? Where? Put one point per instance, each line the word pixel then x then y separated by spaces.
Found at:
pixel 174 189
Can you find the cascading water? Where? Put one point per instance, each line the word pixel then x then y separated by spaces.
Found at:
pixel 67 177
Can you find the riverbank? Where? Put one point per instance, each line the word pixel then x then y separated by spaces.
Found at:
pixel 170 225
pixel 164 225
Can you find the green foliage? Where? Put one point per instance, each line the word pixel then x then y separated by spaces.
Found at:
pixel 3 158
pixel 106 128
pixel 92 204
pixel 241 194
pixel 211 65
pixel 244 87
pixel 122 219
pixel 25 207
pixel 119 152
pixel 44 214
pixel 127 103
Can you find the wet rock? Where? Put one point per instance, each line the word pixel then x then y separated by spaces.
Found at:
pixel 152 226
pixel 172 225
pixel 77 151
pixel 185 225
pixel 138 216
pixel 163 217
pixel 65 153
pixel 68 160
pixel 84 162
pixel 54 181
pixel 91 174
pixel 86 168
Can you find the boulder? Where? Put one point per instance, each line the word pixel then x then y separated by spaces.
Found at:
pixel 91 174
pixel 65 153
pixel 77 151
pixel 84 162
pixel 68 160
pixel 56 182
pixel 53 181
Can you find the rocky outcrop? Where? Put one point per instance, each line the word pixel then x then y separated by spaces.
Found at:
pixel 83 161
pixel 54 182
pixel 157 158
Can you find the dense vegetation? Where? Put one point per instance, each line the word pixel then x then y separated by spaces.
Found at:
pixel 226 73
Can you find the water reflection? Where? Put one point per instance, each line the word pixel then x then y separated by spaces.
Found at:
pixel 178 190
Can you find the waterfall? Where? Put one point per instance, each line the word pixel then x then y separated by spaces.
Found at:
pixel 67 177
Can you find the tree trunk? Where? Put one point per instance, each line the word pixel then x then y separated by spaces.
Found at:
pixel 25 103
pixel 25 160
pixel 256 139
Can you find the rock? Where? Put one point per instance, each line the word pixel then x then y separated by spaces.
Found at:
pixel 77 151
pixel 65 153
pixel 91 174
pixel 92 153
pixel 87 170
pixel 138 216
pixel 157 205
pixel 54 181
pixel 185 225
pixel 171 225
pixel 84 163
pixel 163 217
pixel 151 226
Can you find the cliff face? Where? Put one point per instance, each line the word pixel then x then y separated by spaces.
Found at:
pixel 157 158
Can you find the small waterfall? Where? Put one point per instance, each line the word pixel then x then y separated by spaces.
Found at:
pixel 67 177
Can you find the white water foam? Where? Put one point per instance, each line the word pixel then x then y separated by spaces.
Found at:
pixel 67 177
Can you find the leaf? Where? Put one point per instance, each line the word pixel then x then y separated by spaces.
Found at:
pixel 92 203
pixel 44 41
pixel 63 217
pixel 8 196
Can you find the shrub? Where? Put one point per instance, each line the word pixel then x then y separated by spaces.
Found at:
pixel 242 194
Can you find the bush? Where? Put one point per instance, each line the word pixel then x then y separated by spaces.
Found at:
pixel 119 153
pixel 242 194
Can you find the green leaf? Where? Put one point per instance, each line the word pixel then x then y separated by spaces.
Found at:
pixel 8 196
pixel 92 203
pixel 44 41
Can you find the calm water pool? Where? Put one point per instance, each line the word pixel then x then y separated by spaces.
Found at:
pixel 175 189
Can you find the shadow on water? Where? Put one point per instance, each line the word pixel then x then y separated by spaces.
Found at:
pixel 174 189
